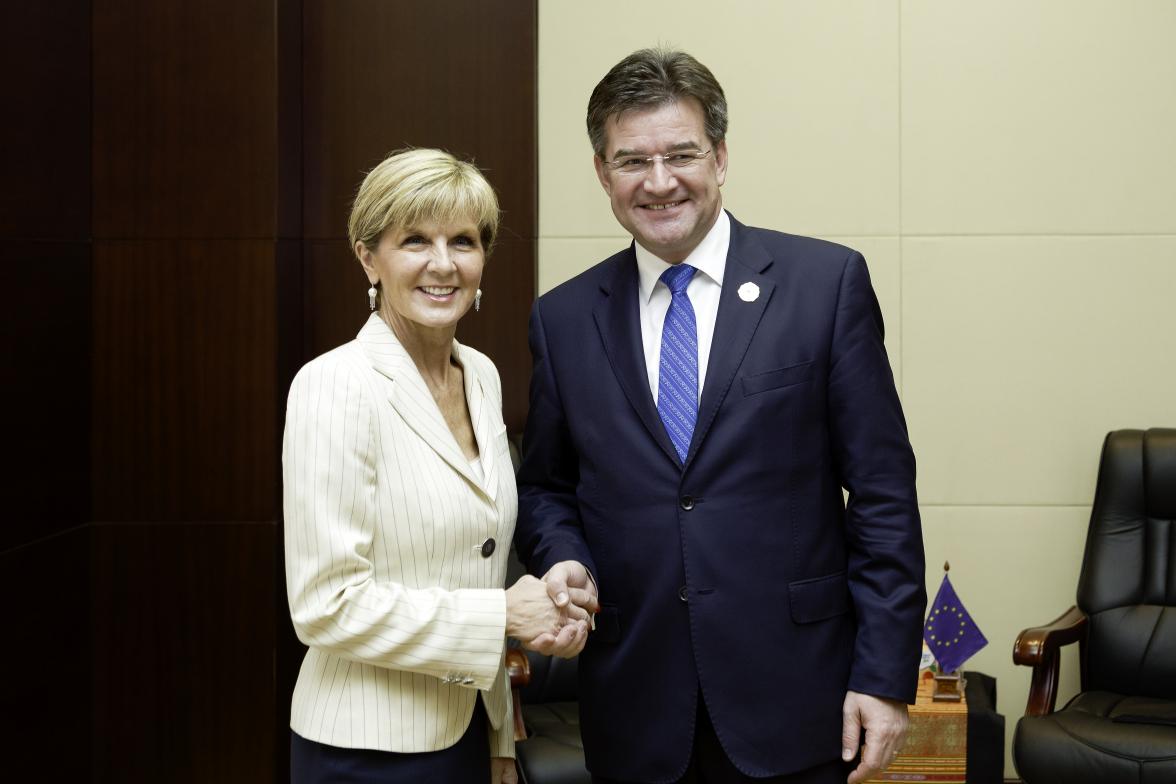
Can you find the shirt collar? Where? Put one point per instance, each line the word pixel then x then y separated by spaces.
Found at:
pixel 709 257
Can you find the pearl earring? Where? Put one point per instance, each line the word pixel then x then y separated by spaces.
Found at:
pixel 372 298
pixel 477 300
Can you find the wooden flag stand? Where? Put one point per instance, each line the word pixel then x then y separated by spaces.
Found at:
pixel 949 687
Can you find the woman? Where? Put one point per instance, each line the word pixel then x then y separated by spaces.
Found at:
pixel 400 505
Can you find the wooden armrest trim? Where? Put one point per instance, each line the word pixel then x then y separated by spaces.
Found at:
pixel 1035 646
pixel 518 667
pixel 1039 648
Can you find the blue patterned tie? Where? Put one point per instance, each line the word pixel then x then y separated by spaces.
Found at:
pixel 677 384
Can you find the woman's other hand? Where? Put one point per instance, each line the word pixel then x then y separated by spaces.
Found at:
pixel 502 771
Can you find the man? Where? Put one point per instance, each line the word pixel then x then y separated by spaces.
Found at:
pixel 699 400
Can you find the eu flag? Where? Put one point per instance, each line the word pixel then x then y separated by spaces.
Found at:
pixel 950 632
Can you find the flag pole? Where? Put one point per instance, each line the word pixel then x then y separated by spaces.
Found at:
pixel 949 686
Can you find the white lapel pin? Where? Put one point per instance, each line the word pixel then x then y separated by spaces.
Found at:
pixel 749 292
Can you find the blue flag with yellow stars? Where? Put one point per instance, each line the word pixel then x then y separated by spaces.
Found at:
pixel 950 632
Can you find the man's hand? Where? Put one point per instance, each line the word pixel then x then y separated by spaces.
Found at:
pixel 503 771
pixel 885 722
pixel 572 591
pixel 571 587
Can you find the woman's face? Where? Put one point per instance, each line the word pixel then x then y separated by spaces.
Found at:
pixel 428 273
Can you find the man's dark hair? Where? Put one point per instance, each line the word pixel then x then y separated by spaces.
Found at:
pixel 654 77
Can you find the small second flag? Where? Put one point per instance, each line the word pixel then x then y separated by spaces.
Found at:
pixel 950 632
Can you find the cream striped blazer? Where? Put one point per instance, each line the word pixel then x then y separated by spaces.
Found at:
pixel 385 523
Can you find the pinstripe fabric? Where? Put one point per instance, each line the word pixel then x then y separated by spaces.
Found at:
pixel 384 521
pixel 677 386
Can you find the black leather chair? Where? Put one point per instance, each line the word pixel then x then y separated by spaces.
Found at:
pixel 553 752
pixel 1121 727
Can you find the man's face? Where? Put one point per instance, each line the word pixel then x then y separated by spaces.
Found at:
pixel 668 210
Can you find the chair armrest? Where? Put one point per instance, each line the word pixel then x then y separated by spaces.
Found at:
pixel 518 667
pixel 1039 648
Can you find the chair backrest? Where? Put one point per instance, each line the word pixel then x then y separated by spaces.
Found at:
pixel 1128 581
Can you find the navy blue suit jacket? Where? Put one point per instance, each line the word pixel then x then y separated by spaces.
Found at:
pixel 742 571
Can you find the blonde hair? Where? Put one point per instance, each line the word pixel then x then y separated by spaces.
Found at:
pixel 413 186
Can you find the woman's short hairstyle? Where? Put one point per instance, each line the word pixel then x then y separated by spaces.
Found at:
pixel 415 186
pixel 653 77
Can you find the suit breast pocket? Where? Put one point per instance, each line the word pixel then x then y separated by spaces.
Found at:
pixel 789 376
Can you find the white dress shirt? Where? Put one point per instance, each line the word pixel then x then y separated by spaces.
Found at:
pixel 710 259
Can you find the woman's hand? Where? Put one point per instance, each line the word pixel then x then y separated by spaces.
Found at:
pixel 533 618
pixel 530 612
pixel 502 771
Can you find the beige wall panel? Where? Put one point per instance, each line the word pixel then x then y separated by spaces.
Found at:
pixel 1019 354
pixel 883 257
pixel 1013 567
pixel 813 93
pixel 561 259
pixel 1047 117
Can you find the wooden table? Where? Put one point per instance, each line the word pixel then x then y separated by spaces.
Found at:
pixel 952 742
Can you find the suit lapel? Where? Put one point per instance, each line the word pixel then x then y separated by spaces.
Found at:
pixel 484 417
pixel 410 396
pixel 619 321
pixel 735 325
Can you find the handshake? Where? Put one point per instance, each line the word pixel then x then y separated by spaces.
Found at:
pixel 554 615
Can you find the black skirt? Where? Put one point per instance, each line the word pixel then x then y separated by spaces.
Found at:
pixel 466 760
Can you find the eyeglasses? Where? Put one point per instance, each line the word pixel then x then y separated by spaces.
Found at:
pixel 643 164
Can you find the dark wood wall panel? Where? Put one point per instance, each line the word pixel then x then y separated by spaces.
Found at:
pixel 45 358
pixel 183 664
pixel 288 651
pixel 45 136
pixel 185 118
pixel 335 296
pixel 176 183
pixel 454 74
pixel 45 192
pixel 290 317
pixel 45 700
pixel 499 329
pixel 289 119
pixel 184 381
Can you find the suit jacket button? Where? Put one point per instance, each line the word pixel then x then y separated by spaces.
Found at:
pixel 488 547
pixel 682 593
pixel 687 502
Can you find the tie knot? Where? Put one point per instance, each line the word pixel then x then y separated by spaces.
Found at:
pixel 677 277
